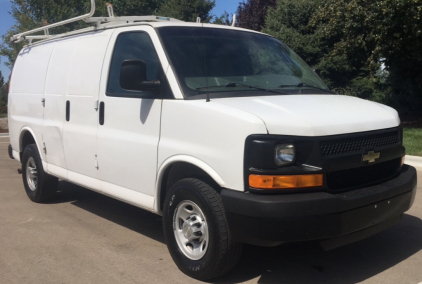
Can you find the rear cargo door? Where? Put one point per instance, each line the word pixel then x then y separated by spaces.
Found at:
pixel 26 97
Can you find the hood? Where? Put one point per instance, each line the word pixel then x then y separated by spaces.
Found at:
pixel 316 115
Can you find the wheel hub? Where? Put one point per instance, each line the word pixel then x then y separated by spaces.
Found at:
pixel 190 230
pixel 193 228
pixel 31 174
pixel 187 230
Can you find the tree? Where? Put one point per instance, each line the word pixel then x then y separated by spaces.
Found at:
pixel 251 15
pixel 288 21
pixel 291 22
pixel 367 33
pixel 1 80
pixel 3 92
pixel 225 19
pixel 188 10
pixel 370 49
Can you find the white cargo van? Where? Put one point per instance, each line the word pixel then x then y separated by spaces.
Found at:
pixel 223 131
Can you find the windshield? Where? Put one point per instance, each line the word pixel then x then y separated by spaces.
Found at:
pixel 229 62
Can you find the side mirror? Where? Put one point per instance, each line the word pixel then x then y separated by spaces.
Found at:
pixel 133 76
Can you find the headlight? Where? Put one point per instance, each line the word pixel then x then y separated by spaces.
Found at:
pixel 284 154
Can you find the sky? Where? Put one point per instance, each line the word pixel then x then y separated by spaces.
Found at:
pixel 6 21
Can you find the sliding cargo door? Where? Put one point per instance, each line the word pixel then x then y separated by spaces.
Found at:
pixel 81 114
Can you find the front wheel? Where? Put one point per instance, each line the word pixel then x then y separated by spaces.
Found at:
pixel 196 230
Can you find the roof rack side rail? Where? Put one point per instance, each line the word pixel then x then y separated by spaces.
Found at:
pixel 20 37
pixel 128 19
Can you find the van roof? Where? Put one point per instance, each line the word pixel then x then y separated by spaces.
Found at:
pixel 205 25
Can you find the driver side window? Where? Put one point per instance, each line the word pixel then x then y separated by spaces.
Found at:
pixel 129 46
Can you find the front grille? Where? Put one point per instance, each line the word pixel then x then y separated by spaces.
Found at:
pixel 345 179
pixel 348 145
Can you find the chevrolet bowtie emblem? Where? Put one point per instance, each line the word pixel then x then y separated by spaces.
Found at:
pixel 370 157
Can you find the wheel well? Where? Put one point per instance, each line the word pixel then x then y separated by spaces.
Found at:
pixel 181 170
pixel 27 139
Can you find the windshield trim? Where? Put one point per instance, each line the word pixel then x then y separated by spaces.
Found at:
pixel 256 93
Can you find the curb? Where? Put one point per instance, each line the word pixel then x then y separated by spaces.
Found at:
pixel 413 161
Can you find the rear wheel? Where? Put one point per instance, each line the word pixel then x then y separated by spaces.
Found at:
pixel 39 185
pixel 196 230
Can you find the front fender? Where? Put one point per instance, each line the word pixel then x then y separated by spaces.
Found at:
pixel 186 159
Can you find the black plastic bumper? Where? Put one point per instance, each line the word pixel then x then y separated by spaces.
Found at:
pixel 10 150
pixel 273 219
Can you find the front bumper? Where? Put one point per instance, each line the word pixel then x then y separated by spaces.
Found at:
pixel 273 219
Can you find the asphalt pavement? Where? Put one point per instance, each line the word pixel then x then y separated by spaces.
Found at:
pixel 85 237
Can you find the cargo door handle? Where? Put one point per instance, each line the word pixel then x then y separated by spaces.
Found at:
pixel 101 113
pixel 67 110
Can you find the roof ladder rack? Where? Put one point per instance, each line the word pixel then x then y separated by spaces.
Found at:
pixel 98 21
pixel 22 36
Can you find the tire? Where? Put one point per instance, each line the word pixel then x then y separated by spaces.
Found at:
pixel 200 241
pixel 39 185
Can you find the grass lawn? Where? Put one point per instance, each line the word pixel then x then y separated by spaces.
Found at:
pixel 3 115
pixel 412 140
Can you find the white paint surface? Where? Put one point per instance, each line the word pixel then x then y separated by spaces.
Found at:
pixel 316 115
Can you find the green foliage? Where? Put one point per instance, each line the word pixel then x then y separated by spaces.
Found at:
pixel 1 80
pixel 188 10
pixel 365 33
pixel 288 21
pixel 135 7
pixel 3 93
pixel 251 14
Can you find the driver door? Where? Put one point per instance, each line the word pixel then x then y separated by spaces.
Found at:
pixel 129 122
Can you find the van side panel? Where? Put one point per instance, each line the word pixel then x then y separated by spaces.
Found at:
pixel 26 93
pixel 55 106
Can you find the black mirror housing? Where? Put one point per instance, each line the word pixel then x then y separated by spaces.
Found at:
pixel 133 76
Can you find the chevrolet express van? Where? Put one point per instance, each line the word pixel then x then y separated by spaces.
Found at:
pixel 223 131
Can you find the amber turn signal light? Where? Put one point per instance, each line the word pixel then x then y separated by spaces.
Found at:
pixel 279 182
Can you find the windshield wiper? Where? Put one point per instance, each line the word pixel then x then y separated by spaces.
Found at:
pixel 303 85
pixel 235 84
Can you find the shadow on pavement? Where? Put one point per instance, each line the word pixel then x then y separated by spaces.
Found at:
pixel 123 214
pixel 287 263
pixel 308 263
